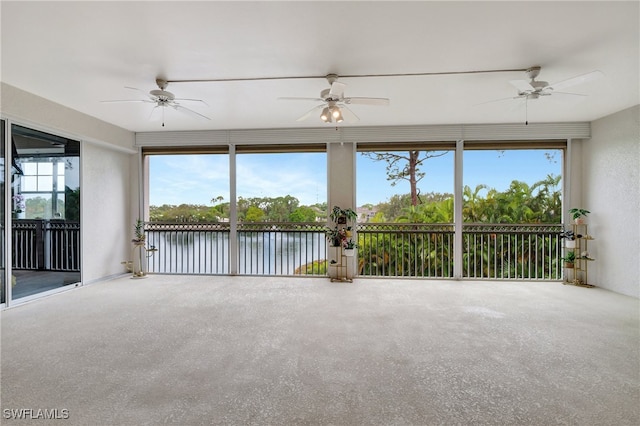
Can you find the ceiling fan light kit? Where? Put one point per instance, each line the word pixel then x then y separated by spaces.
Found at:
pixel 334 103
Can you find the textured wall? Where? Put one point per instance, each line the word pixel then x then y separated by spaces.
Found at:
pixel 611 191
pixel 107 227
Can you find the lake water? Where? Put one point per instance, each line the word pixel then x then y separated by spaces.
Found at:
pixel 260 253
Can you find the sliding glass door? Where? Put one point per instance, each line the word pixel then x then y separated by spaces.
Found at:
pixel 3 252
pixel 45 212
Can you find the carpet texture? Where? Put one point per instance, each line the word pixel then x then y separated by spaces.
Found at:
pixel 287 351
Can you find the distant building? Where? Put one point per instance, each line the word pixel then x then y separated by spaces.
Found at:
pixel 365 213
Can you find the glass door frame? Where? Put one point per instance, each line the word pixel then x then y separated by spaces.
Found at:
pixel 8 222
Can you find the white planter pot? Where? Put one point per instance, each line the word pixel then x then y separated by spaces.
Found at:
pixel 349 252
pixel 570 244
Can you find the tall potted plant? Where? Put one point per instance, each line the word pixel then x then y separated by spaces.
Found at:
pixel 339 236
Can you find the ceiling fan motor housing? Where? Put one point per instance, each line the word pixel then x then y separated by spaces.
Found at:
pixel 326 95
pixel 162 95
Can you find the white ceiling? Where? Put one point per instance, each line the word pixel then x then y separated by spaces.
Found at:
pixel 79 53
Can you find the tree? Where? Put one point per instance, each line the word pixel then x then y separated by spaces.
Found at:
pixel 254 214
pixel 472 209
pixel 303 214
pixel 405 166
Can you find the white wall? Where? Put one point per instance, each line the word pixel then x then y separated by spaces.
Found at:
pixel 107 187
pixel 107 226
pixel 611 191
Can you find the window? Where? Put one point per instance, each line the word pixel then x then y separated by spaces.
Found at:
pixel 191 187
pixel 513 185
pixel 282 187
pixel 414 184
pixel 42 186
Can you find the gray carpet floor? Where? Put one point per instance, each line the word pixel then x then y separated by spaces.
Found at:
pixel 285 351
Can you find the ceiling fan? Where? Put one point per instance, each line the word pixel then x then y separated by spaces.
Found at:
pixel 534 89
pixel 334 103
pixel 162 99
pixel 537 89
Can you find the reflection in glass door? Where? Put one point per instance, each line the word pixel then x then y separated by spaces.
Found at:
pixel 45 211
pixel 3 278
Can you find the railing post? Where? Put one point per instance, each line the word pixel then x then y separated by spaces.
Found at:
pixel 457 211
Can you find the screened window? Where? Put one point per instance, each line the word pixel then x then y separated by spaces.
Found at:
pixel 513 185
pixel 282 187
pixel 412 183
pixel 190 187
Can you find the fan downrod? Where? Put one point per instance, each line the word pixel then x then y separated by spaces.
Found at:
pixel 533 72
pixel 162 83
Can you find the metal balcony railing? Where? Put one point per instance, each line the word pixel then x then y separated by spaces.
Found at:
pixel 405 250
pixel 49 245
pixel 282 249
pixel 188 248
pixel 489 251
pixel 503 251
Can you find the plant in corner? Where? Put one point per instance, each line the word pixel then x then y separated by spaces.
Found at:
pixel 570 238
pixel 139 233
pixel 569 259
pixel 578 215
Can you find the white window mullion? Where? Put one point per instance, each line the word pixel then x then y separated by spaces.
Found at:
pixel 233 213
pixel 457 211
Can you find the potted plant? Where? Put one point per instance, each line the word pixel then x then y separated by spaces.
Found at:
pixel 139 233
pixel 570 238
pixel 339 215
pixel 336 236
pixel 342 245
pixel 569 259
pixel 349 248
pixel 579 215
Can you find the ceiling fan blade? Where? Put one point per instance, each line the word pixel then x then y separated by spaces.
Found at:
pixel 147 101
pixel 366 101
pixel 510 98
pixel 188 111
pixel 191 100
pixel 290 98
pixel 337 89
pixel 348 115
pixel 590 76
pixel 136 89
pixel 152 116
pixel 147 94
pixel 565 94
pixel 522 85
pixel 308 113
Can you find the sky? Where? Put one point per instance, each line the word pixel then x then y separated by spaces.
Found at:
pixel 197 179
